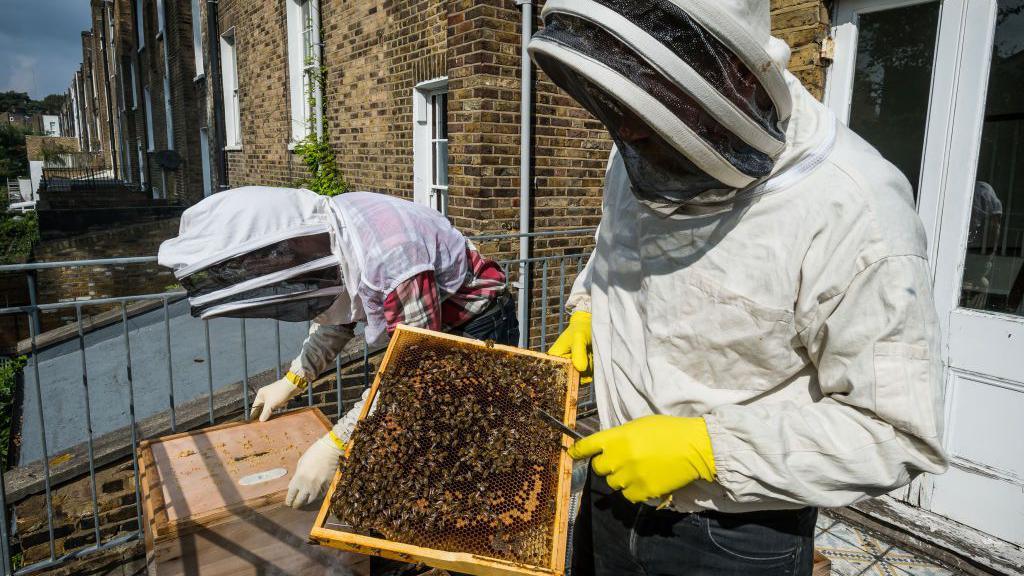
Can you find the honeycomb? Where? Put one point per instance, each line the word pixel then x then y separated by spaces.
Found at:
pixel 452 457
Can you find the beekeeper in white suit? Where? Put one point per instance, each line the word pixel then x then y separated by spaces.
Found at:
pixel 291 255
pixel 758 306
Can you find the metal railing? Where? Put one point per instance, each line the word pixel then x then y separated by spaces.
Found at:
pixel 189 397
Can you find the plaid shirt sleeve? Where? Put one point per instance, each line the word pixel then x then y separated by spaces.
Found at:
pixel 415 302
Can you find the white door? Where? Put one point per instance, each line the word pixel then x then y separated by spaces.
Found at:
pixel 913 78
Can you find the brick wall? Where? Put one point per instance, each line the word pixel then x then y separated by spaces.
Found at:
pixel 71 284
pixel 35 145
pixel 260 31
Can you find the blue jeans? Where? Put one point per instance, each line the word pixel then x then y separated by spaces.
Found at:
pixel 627 539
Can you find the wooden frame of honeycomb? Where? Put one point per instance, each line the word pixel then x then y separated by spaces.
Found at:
pixel 327 531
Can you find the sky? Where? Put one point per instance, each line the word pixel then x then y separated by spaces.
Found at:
pixel 41 44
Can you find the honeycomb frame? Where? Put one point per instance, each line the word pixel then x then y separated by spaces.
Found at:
pixel 324 534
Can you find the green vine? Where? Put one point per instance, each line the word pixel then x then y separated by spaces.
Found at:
pixel 9 370
pixel 315 149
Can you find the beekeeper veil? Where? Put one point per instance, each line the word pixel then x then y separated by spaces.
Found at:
pixel 257 252
pixel 692 91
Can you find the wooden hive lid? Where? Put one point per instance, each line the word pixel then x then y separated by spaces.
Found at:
pixel 200 478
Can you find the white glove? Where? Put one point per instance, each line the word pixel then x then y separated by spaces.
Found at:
pixel 315 469
pixel 276 395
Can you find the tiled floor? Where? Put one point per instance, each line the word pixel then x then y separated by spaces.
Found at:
pixel 855 553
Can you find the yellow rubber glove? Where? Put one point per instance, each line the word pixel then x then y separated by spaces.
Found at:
pixel 650 457
pixel 575 344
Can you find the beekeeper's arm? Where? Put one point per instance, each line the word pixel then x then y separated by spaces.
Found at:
pixel 875 346
pixel 416 301
pixel 319 350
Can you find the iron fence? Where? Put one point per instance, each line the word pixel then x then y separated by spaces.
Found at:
pixel 178 395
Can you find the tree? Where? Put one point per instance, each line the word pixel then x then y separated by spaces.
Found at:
pixel 21 101
pixel 13 156
pixel 9 100
pixel 53 103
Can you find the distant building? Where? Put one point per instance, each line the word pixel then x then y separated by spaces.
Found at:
pixel 51 125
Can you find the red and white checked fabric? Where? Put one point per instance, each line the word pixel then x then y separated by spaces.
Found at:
pixel 417 301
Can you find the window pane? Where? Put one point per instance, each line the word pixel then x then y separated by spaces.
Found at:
pixel 442 116
pixel 994 266
pixel 892 82
pixel 441 163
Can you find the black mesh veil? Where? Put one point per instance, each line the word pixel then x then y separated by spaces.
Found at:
pixel 664 161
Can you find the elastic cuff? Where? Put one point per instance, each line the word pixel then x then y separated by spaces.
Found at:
pixel 719 446
pixel 298 381
pixel 578 303
pixel 337 441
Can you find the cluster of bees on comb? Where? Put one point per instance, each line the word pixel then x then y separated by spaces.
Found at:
pixel 452 456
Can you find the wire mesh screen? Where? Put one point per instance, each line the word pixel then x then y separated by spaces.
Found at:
pixel 452 456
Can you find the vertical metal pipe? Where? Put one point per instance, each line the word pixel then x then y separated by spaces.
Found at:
pixel 88 425
pixel 105 41
pixel 33 332
pixel 215 88
pixel 277 340
pixel 5 551
pixel 561 295
pixel 170 367
pixel 366 363
pixel 131 414
pixel 544 307
pixel 245 374
pixel 33 299
pixel 209 366
pixel 526 139
pixel 337 379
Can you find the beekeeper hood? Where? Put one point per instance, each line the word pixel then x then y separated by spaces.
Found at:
pixel 257 252
pixel 692 91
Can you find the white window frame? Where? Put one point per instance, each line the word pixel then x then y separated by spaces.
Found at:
pixel 140 23
pixel 427 187
pixel 303 64
pixel 148 103
pixel 232 99
pixel 161 19
pixel 135 85
pixel 142 164
pixel 168 111
pixel 197 40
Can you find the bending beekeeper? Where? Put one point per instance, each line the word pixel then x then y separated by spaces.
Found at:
pixel 292 255
pixel 758 307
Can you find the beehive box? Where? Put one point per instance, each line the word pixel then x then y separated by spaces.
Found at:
pixel 213 501
pixel 449 467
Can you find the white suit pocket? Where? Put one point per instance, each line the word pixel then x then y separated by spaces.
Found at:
pixel 903 388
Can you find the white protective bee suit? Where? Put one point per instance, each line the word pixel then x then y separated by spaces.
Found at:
pixel 757 263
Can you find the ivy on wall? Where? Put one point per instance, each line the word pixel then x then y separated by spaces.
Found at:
pixel 315 150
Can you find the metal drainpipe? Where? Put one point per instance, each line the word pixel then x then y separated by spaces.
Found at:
pixel 526 139
pixel 140 107
pixel 105 42
pixel 213 85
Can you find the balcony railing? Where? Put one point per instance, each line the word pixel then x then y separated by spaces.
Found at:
pixel 133 367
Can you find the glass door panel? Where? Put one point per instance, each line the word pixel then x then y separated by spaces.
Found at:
pixel 892 82
pixel 993 277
